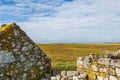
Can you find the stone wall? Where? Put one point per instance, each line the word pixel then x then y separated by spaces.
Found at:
pixel 20 57
pixel 103 67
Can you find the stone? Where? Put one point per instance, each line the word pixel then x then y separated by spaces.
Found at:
pixel 107 55
pixel 101 69
pixel 100 77
pixel 106 78
pixel 15 50
pixel 18 46
pixel 70 78
pixel 27 53
pixel 9 37
pixel 24 49
pixel 1 75
pixel 22 58
pixel 1 58
pixel 58 77
pixel 53 78
pixel 80 63
pixel 117 72
pixel 105 67
pixel 83 76
pixel 85 66
pixel 26 43
pixel 72 73
pixel 44 79
pixel 112 78
pixel 17 58
pixel 95 68
pixel 35 48
pixel 80 58
pixel 64 78
pixel 24 76
pixel 0 45
pixel 6 57
pixel 75 78
pixel 13 44
pixel 112 71
pixel 4 40
pixel 16 33
pixel 87 60
pixel 3 25
pixel 115 62
pixel 104 61
pixel 30 46
pixel 63 73
pixel 41 67
pixel 39 63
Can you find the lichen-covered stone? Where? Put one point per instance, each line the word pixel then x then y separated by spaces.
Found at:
pixel 104 61
pixel 117 72
pixel 115 62
pixel 83 76
pixel 30 46
pixel 6 57
pixel 103 67
pixel 24 48
pixel 113 78
pixel 20 57
pixel 100 78
pixel 95 68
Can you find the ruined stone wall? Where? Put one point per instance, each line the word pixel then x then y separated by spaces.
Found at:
pixel 20 57
pixel 104 67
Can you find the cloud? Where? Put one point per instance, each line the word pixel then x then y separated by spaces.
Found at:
pixel 65 20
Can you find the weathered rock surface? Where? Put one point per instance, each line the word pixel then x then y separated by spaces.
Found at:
pixel 20 57
pixel 103 67
pixel 68 75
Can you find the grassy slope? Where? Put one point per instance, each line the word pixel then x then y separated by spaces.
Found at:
pixel 64 55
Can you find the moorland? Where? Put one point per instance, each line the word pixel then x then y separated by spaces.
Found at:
pixel 64 55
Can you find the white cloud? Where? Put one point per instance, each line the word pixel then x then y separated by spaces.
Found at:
pixel 76 21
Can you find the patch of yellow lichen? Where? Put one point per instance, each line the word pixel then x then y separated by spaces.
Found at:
pixel 92 75
pixel 6 27
pixel 6 31
pixel 102 74
pixel 80 66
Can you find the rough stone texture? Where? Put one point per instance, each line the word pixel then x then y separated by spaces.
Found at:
pixel 113 78
pixel 103 67
pixel 6 57
pixel 115 62
pixel 83 76
pixel 72 73
pixel 20 57
pixel 100 78
pixel 63 73
pixel 68 75
pixel 95 68
pixel 118 72
pixel 105 61
pixel 75 78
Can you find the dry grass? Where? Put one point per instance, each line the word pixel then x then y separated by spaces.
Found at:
pixel 64 55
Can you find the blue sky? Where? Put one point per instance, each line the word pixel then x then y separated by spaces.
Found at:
pixel 65 20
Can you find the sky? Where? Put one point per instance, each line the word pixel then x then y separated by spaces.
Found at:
pixel 63 21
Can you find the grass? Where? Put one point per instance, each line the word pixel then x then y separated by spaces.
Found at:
pixel 64 55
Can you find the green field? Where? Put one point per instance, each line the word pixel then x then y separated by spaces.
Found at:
pixel 64 55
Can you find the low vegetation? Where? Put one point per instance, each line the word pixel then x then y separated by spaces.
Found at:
pixel 64 55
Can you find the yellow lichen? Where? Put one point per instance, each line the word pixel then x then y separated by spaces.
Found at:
pixel 6 27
